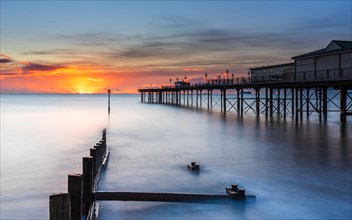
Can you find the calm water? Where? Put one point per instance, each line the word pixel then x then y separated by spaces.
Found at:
pixel 296 171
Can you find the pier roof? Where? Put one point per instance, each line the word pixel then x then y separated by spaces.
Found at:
pixel 333 47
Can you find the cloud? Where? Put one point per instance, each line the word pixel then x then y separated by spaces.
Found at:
pixel 39 67
pixel 95 79
pixel 5 60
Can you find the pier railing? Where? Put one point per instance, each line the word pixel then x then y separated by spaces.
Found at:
pixel 79 201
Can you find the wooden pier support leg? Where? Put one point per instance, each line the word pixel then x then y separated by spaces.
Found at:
pixel 285 98
pixel 142 94
pixel 242 100
pixel 75 191
pixel 200 98
pixel 221 100
pixel 308 102
pixel 176 98
pixel 224 100
pixel 257 101
pixel 343 105
pixel 297 108
pixel 160 97
pixel 59 206
pixel 197 97
pixel 292 102
pixel 271 102
pixel 87 184
pixel 278 103
pixel 187 98
pixel 191 98
pixel 325 103
pixel 266 101
pixel 208 99
pixel 320 103
pixel 211 99
pixel 238 102
pixel 301 103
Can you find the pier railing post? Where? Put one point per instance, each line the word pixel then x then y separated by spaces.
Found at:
pixel 75 191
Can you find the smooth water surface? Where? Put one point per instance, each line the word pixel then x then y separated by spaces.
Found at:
pixel 296 171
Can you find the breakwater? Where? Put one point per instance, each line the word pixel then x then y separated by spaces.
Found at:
pixel 79 201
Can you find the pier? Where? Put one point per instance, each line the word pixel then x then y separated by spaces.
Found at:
pixel 317 82
pixel 298 99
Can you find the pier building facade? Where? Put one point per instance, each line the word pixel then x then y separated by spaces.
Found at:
pixel 333 62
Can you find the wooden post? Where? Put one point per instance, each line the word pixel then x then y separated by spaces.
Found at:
pixel 208 99
pixel 257 101
pixel 224 97
pixel 87 184
pixel 278 102
pixel 93 154
pixel 197 99
pixel 297 105
pixel 211 99
pixel 271 102
pixel 59 206
pixel 301 103
pixel 200 98
pixel 109 91
pixel 293 102
pixel 307 102
pixel 284 102
pixel 75 191
pixel 343 105
pixel 325 103
pixel 242 100
pixel 266 102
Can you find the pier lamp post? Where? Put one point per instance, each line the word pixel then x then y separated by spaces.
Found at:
pixel 219 78
pixel 233 75
pixel 206 77
pixel 170 82
pixel 176 79
pixel 227 74
pixel 185 78
pixel 109 91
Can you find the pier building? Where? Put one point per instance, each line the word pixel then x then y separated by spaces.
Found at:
pixel 273 72
pixel 299 89
pixel 333 62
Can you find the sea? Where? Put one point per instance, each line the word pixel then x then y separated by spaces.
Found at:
pixel 296 170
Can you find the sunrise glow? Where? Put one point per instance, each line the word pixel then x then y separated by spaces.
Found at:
pixel 94 46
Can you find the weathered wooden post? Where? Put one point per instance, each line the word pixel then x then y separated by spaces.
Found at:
pixel 75 191
pixel 109 91
pixel 257 101
pixel 278 102
pixel 224 102
pixel 93 154
pixel 59 206
pixel 343 105
pixel 87 184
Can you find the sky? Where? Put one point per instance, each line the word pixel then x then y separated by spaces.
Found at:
pixel 91 46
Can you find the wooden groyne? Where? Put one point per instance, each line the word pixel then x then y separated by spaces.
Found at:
pixel 79 201
pixel 82 197
pixel 162 197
